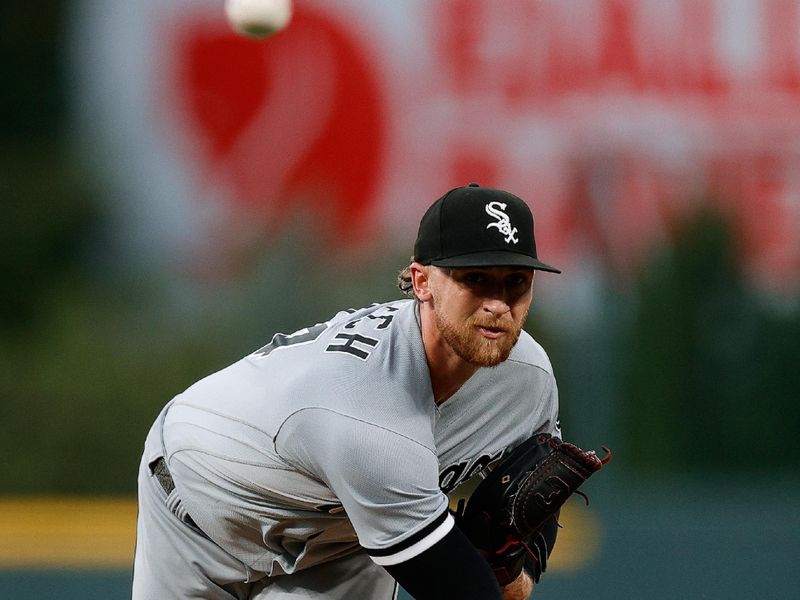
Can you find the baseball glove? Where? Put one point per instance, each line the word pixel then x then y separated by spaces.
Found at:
pixel 512 515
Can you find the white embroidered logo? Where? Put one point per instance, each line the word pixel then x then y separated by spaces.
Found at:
pixel 503 223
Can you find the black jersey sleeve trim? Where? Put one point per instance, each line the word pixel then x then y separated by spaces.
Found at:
pixel 415 544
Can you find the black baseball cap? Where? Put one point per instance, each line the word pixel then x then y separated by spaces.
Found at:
pixel 474 226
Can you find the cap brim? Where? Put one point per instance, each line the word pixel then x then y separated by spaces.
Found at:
pixel 494 259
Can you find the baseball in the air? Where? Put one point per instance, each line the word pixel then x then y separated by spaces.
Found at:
pixel 258 18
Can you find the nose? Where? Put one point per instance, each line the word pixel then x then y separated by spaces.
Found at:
pixel 497 306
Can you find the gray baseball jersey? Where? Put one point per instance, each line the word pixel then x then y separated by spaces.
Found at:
pixel 329 439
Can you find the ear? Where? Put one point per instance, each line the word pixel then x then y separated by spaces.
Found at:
pixel 420 279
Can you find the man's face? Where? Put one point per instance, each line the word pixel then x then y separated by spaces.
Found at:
pixel 480 312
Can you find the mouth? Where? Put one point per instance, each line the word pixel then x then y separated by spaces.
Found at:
pixel 491 333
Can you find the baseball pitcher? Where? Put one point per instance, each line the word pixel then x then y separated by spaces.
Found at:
pixel 319 466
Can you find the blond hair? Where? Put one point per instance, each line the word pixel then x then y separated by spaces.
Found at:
pixel 404 281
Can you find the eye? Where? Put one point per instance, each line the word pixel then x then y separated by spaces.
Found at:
pixel 518 279
pixel 518 283
pixel 473 278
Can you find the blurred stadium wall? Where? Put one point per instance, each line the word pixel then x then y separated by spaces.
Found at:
pixel 175 194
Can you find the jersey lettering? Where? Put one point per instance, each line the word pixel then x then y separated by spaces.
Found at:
pixel 451 476
pixel 309 334
pixel 351 339
pixel 385 320
pixel 281 340
pixel 350 345
pixel 482 463
pixel 454 475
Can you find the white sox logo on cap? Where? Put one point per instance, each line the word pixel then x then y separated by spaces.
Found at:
pixel 454 232
pixel 503 224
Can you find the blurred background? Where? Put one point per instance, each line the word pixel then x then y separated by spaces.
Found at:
pixel 174 194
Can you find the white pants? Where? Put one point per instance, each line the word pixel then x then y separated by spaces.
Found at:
pixel 175 560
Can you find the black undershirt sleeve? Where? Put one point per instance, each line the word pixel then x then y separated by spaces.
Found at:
pixel 451 569
pixel 541 547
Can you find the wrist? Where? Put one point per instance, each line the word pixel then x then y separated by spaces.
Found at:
pixel 519 589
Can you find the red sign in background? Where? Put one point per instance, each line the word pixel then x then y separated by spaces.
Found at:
pixel 614 118
pixel 309 93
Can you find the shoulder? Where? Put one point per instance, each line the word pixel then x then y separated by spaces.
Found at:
pixel 353 332
pixel 368 339
pixel 353 314
pixel 529 352
pixel 368 364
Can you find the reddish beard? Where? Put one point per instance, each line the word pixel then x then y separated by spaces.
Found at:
pixel 468 343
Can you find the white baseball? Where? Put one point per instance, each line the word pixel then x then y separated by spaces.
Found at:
pixel 258 18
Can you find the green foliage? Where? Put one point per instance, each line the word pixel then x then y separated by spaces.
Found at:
pixel 710 377
pixel 50 217
pixel 82 383
pixel 48 209
pixel 79 393
pixel 32 100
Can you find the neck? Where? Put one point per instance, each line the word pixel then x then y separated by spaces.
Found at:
pixel 448 371
pixel 446 382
